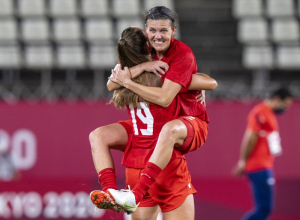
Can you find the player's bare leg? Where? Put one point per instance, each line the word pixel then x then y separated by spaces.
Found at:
pixel 185 211
pixel 102 140
pixel 145 213
pixel 172 134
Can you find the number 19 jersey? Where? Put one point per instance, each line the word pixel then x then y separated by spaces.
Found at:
pixel 147 123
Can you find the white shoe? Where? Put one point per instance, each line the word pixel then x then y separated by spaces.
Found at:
pixel 124 198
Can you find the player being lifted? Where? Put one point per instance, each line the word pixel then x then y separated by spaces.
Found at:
pixel 152 117
pixel 190 132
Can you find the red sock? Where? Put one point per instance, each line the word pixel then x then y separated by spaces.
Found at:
pixel 147 178
pixel 107 179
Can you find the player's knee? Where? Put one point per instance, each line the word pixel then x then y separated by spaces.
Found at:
pixel 171 130
pixel 93 136
pixel 168 131
pixel 97 135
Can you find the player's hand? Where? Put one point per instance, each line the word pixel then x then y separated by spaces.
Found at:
pixel 239 168
pixel 120 76
pixel 159 68
pixel 117 67
pixel 201 97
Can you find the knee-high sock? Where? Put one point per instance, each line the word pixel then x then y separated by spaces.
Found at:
pixel 107 179
pixel 147 178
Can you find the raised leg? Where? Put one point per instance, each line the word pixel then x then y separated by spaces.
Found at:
pixel 102 140
pixel 172 134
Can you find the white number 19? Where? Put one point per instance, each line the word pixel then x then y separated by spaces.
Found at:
pixel 149 120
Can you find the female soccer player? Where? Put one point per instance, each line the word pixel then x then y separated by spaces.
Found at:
pixel 142 142
pixel 188 132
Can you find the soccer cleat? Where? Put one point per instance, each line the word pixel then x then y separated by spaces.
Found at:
pixel 124 198
pixel 102 200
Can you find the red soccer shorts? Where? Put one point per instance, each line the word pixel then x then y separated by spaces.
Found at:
pixel 170 189
pixel 127 125
pixel 196 133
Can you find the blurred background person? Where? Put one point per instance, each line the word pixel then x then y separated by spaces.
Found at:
pixel 261 143
pixel 7 169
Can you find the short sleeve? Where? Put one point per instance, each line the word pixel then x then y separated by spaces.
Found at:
pixel 255 121
pixel 181 68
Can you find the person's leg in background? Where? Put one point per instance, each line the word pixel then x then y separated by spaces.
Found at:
pixel 262 183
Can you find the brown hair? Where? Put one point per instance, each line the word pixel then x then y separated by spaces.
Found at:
pixel 132 50
pixel 161 13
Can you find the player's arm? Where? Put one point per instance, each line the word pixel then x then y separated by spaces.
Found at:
pixel 162 96
pixel 248 143
pixel 157 67
pixel 201 81
pixel 247 146
pixel 136 71
pixel 111 86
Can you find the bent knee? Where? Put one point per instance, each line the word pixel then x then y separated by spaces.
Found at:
pixel 99 135
pixel 113 136
pixel 95 134
pixel 174 129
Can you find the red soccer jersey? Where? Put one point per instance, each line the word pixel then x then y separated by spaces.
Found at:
pixel 147 124
pixel 261 120
pixel 182 64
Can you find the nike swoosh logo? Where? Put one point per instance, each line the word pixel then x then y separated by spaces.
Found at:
pixel 126 206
